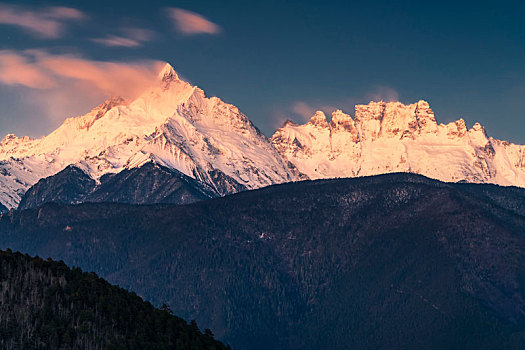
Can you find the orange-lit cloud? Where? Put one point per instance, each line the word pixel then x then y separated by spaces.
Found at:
pixel 38 69
pixel 303 109
pixel 57 86
pixel 15 69
pixel 139 34
pixel 189 23
pixel 47 22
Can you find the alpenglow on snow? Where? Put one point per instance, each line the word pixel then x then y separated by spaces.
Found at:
pixel 176 125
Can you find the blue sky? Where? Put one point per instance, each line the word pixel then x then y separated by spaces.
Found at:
pixel 275 60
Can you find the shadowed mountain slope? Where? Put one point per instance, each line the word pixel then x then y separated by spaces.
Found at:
pixel 148 184
pixel 390 261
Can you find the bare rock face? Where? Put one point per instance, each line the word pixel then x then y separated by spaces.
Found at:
pixel 343 123
pixel 425 118
pixel 368 119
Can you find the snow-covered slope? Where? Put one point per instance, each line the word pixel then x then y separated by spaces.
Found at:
pixel 173 123
pixel 392 137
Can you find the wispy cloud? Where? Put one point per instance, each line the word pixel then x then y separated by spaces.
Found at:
pixel 15 69
pixel 139 34
pixel 383 93
pixel 191 23
pixel 39 69
pixel 114 40
pixel 46 22
pixel 307 110
pixel 130 37
pixel 304 110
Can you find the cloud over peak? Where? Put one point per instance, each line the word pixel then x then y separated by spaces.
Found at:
pixel 46 22
pixel 59 85
pixel 38 69
pixel 191 23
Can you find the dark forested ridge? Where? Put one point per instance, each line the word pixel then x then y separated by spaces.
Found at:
pixel 46 305
pixel 150 183
pixel 391 261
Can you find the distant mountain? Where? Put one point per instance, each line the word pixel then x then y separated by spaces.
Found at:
pixel 148 184
pixel 391 261
pixel 46 305
pixel 392 137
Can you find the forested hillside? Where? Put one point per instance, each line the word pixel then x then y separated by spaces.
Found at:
pixel 46 305
pixel 391 261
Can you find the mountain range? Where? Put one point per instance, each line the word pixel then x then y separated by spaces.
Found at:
pixel 389 137
pixel 207 148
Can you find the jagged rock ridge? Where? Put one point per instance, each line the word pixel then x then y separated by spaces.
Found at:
pixel 389 137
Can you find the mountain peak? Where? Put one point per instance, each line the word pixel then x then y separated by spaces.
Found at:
pixel 342 122
pixel 167 75
pixel 12 139
pixel 319 119
pixel 478 134
pixel 477 127
pixel 288 122
pixel 9 138
pixel 422 104
pixel 340 115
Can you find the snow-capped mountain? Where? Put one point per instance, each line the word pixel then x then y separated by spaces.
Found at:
pixel 173 124
pixel 176 126
pixel 392 137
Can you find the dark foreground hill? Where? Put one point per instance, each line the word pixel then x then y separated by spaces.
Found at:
pixel 46 305
pixel 388 262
